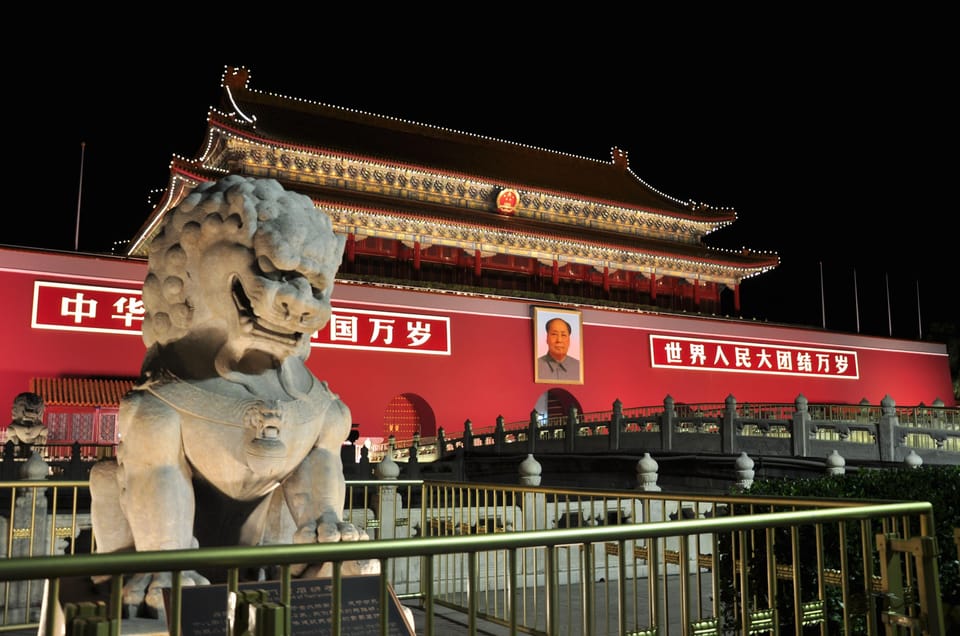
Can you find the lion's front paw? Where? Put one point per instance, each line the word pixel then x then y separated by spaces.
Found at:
pixel 164 580
pixel 143 593
pixel 349 568
pixel 333 531
pixel 330 530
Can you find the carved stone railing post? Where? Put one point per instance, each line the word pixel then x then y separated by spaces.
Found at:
pixel 498 436
pixel 728 432
pixel 531 472
pixel 32 527
pixel 533 431
pixel 8 468
pixel 570 439
pixel 800 432
pixel 912 460
pixel 385 499
pixel 887 429
pixel 534 502
pixel 75 469
pixel 743 469
pixel 363 466
pixel 441 444
pixel 616 425
pixel 836 464
pixel 387 468
pixel 937 412
pixel 667 419
pixel 348 457
pixel 413 460
pixel 647 469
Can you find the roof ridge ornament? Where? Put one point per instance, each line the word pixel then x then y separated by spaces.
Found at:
pixel 236 78
pixel 620 158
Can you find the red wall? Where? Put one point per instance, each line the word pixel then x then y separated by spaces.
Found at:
pixel 29 353
pixel 489 371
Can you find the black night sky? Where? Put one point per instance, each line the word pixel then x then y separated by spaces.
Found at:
pixel 836 161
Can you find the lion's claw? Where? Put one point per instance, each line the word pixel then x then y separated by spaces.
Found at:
pixel 329 531
pixel 144 592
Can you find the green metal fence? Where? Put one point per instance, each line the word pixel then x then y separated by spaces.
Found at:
pixel 525 559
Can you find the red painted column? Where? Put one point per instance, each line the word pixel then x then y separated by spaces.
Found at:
pixel 556 272
pixel 416 255
pixel 606 278
pixel 696 293
pixel 351 247
pixel 653 286
pixel 477 266
pixel 736 298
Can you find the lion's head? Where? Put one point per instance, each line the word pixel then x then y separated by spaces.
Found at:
pixel 244 263
pixel 28 409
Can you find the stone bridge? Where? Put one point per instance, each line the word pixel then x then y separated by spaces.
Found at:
pixel 708 437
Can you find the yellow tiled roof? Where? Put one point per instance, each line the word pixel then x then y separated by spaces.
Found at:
pixel 81 391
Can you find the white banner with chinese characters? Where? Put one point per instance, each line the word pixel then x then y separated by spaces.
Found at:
pixel 95 309
pixel 703 354
pixel 389 331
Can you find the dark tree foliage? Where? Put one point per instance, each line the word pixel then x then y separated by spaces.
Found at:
pixel 939 485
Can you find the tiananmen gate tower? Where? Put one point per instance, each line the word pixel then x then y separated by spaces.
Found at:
pixel 458 248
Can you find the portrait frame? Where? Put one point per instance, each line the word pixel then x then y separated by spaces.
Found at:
pixel 541 371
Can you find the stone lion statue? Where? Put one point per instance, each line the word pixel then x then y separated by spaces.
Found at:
pixel 226 420
pixel 27 426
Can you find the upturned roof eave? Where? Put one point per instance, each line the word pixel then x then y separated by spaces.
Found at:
pixel 313 125
pixel 715 219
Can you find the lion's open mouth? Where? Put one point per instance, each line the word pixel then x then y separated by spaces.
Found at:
pixel 250 322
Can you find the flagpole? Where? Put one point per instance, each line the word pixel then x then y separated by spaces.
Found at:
pixel 886 278
pixel 76 235
pixel 919 322
pixel 823 305
pixel 856 299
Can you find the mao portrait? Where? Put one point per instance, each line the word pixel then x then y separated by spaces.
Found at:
pixel 558 346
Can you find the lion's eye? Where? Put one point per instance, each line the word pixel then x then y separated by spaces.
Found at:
pixel 270 271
